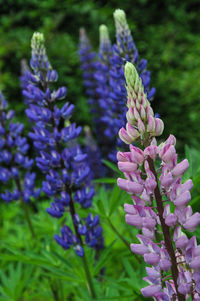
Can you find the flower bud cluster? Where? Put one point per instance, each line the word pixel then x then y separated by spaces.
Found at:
pixel 15 165
pixel 141 184
pixel 140 117
pixel 59 156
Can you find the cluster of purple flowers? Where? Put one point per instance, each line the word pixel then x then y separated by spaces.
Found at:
pixel 175 215
pixel 105 77
pixel 88 66
pixel 15 165
pixel 59 156
pixel 160 201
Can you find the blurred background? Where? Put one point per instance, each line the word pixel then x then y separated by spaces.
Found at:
pixel 166 33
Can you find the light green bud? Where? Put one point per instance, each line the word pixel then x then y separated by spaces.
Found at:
pixel 103 32
pixel 120 21
pixel 37 40
pixel 132 77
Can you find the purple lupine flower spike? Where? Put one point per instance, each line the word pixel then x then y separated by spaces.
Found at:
pixel 59 157
pixel 88 60
pixel 112 90
pixel 15 165
pixel 160 201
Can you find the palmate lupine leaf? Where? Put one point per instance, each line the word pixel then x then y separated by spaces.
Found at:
pixel 16 281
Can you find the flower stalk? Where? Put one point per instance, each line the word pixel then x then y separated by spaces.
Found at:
pixel 166 232
pixel 59 157
pixel 159 201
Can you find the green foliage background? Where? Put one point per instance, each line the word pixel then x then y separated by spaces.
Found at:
pixel 167 33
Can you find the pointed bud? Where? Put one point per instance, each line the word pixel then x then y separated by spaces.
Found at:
pixel 171 140
pixel 142 113
pixel 159 127
pixel 130 116
pixel 132 132
pixel 105 43
pixel 123 135
pixel 149 111
pixel 151 124
pixel 136 114
pixel 141 127
pixel 133 80
pixel 120 21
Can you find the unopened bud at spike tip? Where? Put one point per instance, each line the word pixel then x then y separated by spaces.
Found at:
pixel 124 136
pixel 103 32
pixel 37 40
pixel 130 75
pixel 120 20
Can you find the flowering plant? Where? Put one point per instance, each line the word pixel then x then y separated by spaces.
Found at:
pixel 160 201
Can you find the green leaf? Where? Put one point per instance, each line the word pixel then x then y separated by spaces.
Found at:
pixel 105 257
pixel 112 166
pixel 115 199
pixel 105 181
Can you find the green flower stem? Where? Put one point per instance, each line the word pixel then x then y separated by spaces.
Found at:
pixel 25 208
pixel 85 263
pixel 28 219
pixel 118 234
pixel 89 278
pixel 72 213
pixel 122 238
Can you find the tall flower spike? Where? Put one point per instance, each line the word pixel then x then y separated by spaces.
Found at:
pixel 108 82
pixel 125 43
pixel 87 59
pixel 59 156
pixel 104 103
pixel 105 43
pixel 88 65
pixel 124 50
pixel 160 202
pixel 15 165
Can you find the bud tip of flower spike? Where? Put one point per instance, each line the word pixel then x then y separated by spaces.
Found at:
pixel 130 74
pixel 103 31
pixel 119 16
pixel 104 35
pixel 37 39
